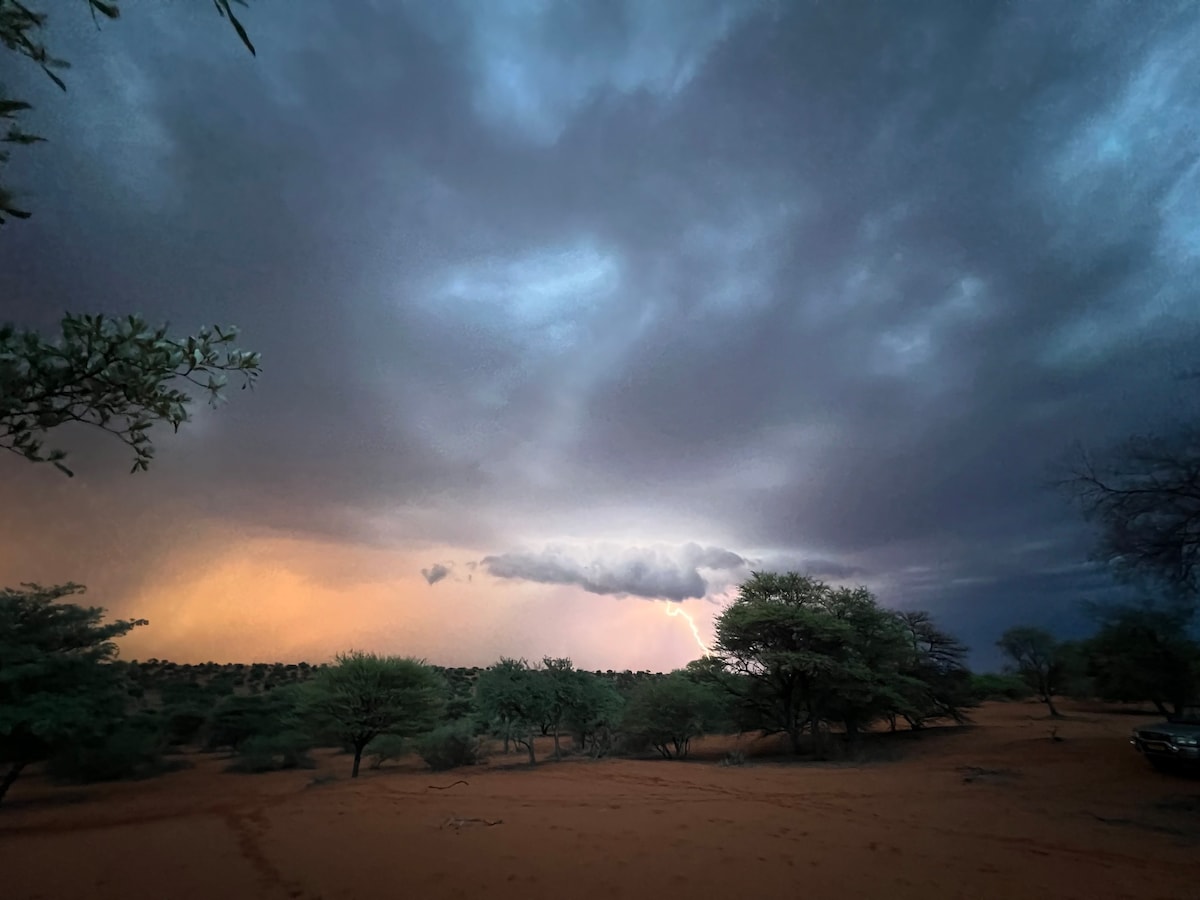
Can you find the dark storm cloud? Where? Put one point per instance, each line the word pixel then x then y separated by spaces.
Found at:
pixel 656 573
pixel 835 281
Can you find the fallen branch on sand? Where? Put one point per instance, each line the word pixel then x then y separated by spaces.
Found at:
pixel 975 773
pixel 434 787
pixel 457 822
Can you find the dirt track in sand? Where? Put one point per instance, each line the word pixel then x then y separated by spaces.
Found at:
pixel 995 811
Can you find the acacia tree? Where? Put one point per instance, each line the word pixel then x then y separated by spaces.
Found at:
pixel 364 695
pixel 808 653
pixel 111 373
pixel 1144 496
pixel 1144 654
pixel 941 685
pixel 667 713
pixel 516 697
pixel 20 32
pixel 593 713
pixel 1037 656
pixel 563 689
pixel 57 684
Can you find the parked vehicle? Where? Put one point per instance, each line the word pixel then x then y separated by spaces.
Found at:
pixel 1173 744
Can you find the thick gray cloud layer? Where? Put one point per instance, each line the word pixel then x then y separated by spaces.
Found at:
pixel 810 280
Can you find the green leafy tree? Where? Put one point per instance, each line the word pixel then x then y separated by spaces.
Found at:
pixel 1143 654
pixel 365 695
pixel 21 32
pixel 808 654
pixel 667 713
pixel 57 684
pixel 237 719
pixel 727 712
pixel 1037 656
pixel 593 714
pixel 516 698
pixel 115 374
pixel 563 689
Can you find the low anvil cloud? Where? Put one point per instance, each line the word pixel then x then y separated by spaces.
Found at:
pixel 657 573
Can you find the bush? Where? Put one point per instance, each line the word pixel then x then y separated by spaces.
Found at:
pixel 451 746
pixel 998 687
pixel 668 713
pixel 134 749
pixel 183 725
pixel 272 753
pixel 386 747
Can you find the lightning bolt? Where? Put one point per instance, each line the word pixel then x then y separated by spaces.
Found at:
pixel 673 610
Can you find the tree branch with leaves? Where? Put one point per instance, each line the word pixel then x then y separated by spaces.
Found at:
pixel 111 373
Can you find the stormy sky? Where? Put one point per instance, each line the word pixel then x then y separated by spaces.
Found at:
pixel 574 313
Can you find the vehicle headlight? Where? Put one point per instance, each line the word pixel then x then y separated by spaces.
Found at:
pixel 1187 742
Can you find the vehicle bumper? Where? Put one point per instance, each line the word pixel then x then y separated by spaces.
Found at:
pixel 1161 750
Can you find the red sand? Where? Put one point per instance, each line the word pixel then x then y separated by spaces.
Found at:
pixel 1081 818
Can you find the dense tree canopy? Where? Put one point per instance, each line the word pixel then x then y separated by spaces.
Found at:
pixel 809 654
pixel 1145 654
pixel 57 684
pixel 516 698
pixel 364 695
pixel 668 712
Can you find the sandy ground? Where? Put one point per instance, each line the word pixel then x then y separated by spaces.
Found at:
pixel 994 811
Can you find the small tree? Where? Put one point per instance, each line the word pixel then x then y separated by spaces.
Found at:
pixel 593 714
pixel 57 684
pixel 1142 654
pixel 1036 656
pixel 111 373
pixel 667 714
pixel 365 695
pixel 516 697
pixel 938 684
pixel 563 688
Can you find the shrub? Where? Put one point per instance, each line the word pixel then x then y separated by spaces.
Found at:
pixel 667 713
pixel 134 749
pixel 236 720
pixel 989 686
pixel 183 725
pixel 386 747
pixel 734 758
pixel 271 753
pixel 451 746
